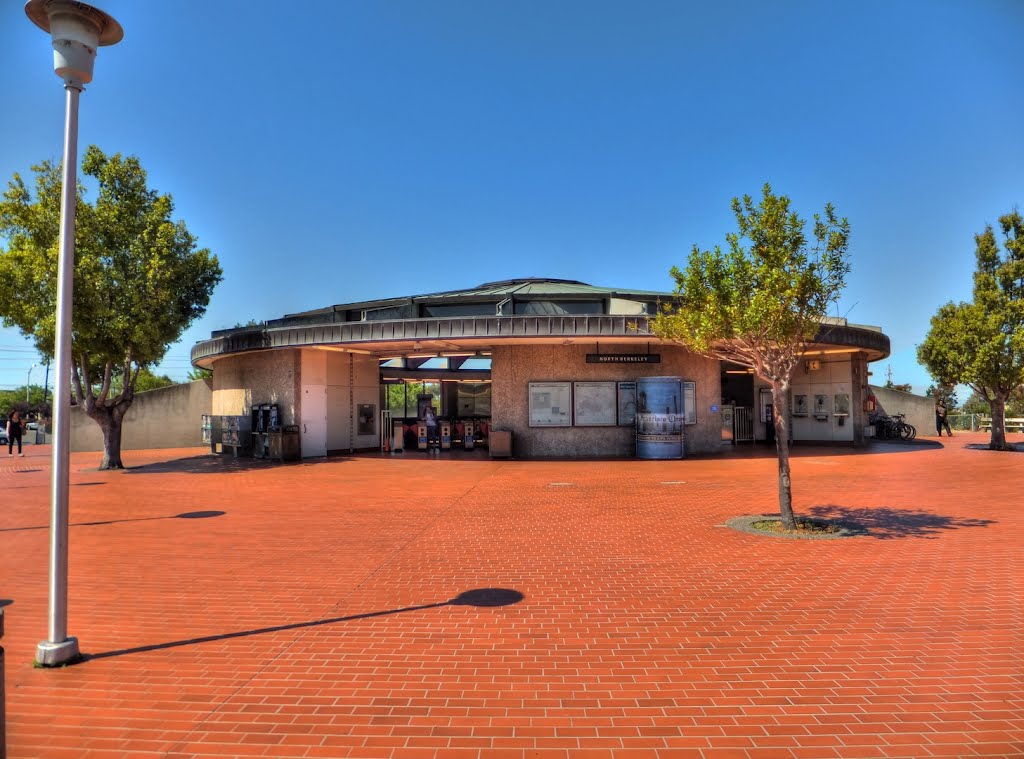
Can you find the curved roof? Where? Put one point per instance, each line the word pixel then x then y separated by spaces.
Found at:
pixel 523 311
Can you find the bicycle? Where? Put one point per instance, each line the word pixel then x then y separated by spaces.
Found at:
pixel 894 427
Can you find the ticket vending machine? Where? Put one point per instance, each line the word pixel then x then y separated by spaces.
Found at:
pixel 421 436
pixel 446 435
pixel 398 436
pixel 468 435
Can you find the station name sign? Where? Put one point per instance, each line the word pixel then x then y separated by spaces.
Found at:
pixel 623 358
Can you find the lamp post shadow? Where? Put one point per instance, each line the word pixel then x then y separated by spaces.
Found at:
pixel 478 597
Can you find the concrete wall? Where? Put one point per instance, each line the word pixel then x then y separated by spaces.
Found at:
pixel 169 417
pixel 919 410
pixel 514 367
pixel 262 377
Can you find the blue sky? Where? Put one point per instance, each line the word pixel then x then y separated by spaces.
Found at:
pixel 367 149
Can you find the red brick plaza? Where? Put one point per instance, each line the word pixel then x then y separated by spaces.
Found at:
pixel 311 618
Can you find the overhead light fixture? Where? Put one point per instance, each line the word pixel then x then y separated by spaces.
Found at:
pixel 422 355
pixel 416 346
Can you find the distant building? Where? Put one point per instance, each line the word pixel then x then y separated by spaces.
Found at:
pixel 503 355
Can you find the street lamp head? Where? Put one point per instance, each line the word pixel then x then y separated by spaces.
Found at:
pixel 77 30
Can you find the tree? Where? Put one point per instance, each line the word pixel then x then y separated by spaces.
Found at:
pixel 943 392
pixel 981 344
pixel 903 388
pixel 760 307
pixel 140 280
pixel 145 380
pixel 198 373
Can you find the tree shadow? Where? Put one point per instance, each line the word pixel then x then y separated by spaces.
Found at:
pixel 186 515
pixel 885 523
pixel 478 597
pixel 218 463
pixel 1013 447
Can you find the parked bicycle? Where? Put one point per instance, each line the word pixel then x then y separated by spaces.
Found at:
pixel 893 427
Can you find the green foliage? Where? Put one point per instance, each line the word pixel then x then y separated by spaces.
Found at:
pixel 145 380
pixel 760 305
pixel 975 404
pixel 946 393
pixel 198 373
pixel 981 344
pixel 1014 405
pixel 15 399
pixel 140 279
pixel 905 387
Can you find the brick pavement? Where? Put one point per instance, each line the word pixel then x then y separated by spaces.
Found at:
pixel 309 619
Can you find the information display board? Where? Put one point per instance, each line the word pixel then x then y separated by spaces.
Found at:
pixel 550 404
pixel 627 404
pixel 594 404
pixel 689 403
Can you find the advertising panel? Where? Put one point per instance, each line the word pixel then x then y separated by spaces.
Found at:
pixel 659 418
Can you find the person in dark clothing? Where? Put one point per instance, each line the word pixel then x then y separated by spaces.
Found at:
pixel 941 422
pixel 14 432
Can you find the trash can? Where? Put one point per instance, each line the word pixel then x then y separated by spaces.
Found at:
pixel 284 443
pixel 501 444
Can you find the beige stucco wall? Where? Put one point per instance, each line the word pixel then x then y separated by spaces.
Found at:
pixel 262 377
pixel 169 417
pixel 352 380
pixel 514 367
pixel 832 377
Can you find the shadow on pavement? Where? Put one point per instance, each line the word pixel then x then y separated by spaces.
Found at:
pixel 1014 447
pixel 479 597
pixel 886 523
pixel 186 515
pixel 217 463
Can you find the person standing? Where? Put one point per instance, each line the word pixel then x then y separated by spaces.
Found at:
pixel 941 420
pixel 14 432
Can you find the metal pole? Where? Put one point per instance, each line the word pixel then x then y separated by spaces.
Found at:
pixel 40 426
pixel 60 648
pixel 28 380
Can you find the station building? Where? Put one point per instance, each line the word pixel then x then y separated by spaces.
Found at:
pixel 553 362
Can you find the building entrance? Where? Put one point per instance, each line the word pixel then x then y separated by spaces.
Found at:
pixel 737 403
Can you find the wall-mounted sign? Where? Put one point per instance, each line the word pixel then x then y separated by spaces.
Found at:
pixel 623 358
pixel 550 404
pixel 594 404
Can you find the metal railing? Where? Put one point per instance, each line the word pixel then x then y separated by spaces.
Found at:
pixel 743 425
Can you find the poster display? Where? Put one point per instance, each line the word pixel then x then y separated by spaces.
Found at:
pixel 594 404
pixel 627 404
pixel 659 418
pixel 689 403
pixel 550 404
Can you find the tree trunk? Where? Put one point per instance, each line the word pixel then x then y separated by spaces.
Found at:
pixel 780 405
pixel 998 440
pixel 109 419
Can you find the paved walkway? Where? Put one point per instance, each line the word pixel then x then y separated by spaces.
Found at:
pixel 243 609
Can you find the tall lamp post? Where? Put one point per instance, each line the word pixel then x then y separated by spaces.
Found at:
pixel 77 30
pixel 28 379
